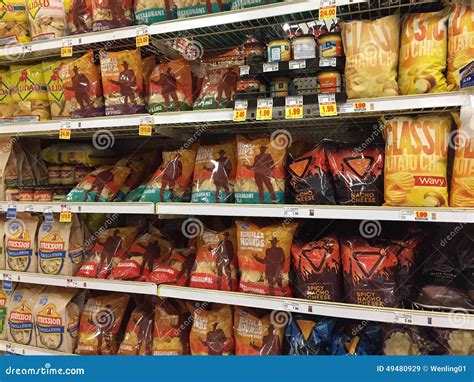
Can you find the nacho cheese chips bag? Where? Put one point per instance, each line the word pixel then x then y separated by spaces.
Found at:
pixel 20 243
pixel 264 257
pixel 13 22
pixel 371 48
pixel 416 153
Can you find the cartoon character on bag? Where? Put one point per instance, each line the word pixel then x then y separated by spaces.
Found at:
pixel 227 86
pixel 168 85
pixel 274 261
pixel 80 87
pixel 127 82
pixel 269 342
pixel 152 252
pixel 111 246
pixel 262 167
pixel 171 174
pixel 225 256
pixel 216 340
pixel 221 170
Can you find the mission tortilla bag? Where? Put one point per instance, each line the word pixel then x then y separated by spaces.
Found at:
pixel 138 333
pixel 174 268
pixel 20 243
pixel 14 22
pixel 5 304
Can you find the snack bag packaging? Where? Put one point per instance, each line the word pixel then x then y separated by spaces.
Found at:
pixel 53 77
pixel 20 243
pixel 78 154
pixel 255 332
pixel 171 182
pixel 139 260
pixel 56 316
pixel 310 179
pixel 171 328
pixel 200 7
pixel 60 247
pixel 212 330
pixel 14 22
pixel 38 166
pixel 214 174
pixel 21 324
pixel 460 35
pixel 79 16
pixel 423 50
pixel 407 264
pixel 83 87
pixel 260 174
pixel 148 65
pixel 150 12
pixel 110 247
pixel 455 342
pixel 26 177
pixel 371 48
pixel 3 264
pixel 264 257
pixel 416 152
pixel 357 338
pixel 357 174
pixel 241 4
pixel 7 105
pixel 174 268
pixel 318 270
pixel 170 88
pixel 101 185
pixel 111 14
pixel 122 81
pixel 100 324
pixel 7 169
pixel 47 19
pixel 406 340
pixel 138 334
pixel 29 93
pixel 5 306
pixel 216 261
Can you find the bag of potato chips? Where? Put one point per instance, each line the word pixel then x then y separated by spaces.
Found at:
pixel 30 93
pixel 7 106
pixel 13 22
pixel 423 50
pixel 53 77
pixel 148 65
pixel 264 257
pixel 79 16
pixel 153 11
pixel 214 174
pixel 416 152
pixel 47 19
pixel 174 268
pixel 460 37
pixel 20 243
pixel 138 334
pixel 111 14
pixel 200 7
pixel 371 48
pixel 260 174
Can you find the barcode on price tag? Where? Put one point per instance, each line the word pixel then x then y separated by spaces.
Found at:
pixel 244 70
pixel 327 62
pixel 327 104
pixel 270 67
pixel 297 64
pixel 291 306
pixel 294 107
pixel 240 110
pixel 403 318
pixel 264 109
pixel 290 211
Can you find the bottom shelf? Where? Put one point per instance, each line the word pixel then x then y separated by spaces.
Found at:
pixel 14 348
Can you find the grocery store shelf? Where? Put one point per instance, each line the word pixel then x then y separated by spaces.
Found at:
pixel 441 215
pixel 453 320
pixel 80 282
pixel 80 207
pixel 14 348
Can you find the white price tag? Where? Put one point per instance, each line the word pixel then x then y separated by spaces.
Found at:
pixel 297 64
pixel 291 306
pixel 66 42
pixel 7 277
pixel 26 48
pixel 290 211
pixel 146 121
pixel 327 62
pixel 294 101
pixel 407 215
pixel 29 208
pixel 142 30
pixel 403 318
pixel 65 125
pixel 270 67
pixel 9 348
pixel 71 283
pixel 326 98
pixel 347 107
pixel 244 70
pixel 264 109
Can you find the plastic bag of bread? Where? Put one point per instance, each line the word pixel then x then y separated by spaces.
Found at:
pixel 14 22
pixel 256 333
pixel 214 173
pixel 212 330
pixel 56 316
pixel 140 258
pixel 174 268
pixel 170 88
pixel 122 82
pixel 216 261
pixel 172 181
pixel 371 49
pixel 416 153
pixel 138 338
pixel 83 87
pixel 318 269
pixel 171 328
pixel 153 11
pixel 407 340
pixel 110 247
pixel 79 16
pixel 260 174
pixel 7 106
pixel 111 14
pixel 101 185
pixel 47 19
pixel 200 7
pixel 264 257
pixel 77 153
pixel 460 34
pixel 53 78
pixel 21 324
pixel 20 243
pixel 100 323
pixel 60 247
pixel 29 92
pixel 455 342
pixel 423 50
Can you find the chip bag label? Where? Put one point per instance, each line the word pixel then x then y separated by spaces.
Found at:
pixel 20 243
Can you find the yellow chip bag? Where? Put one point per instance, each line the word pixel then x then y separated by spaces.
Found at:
pixel 6 103
pixel 371 48
pixel 416 153
pixel 13 22
pixel 53 73
pixel 423 50
pixel 460 41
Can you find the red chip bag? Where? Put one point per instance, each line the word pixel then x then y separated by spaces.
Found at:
pixel 174 268
pixel 138 334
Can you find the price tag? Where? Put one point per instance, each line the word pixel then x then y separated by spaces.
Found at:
pixel 327 9
pixel 71 283
pixel 29 208
pixel 7 282
pixel 290 211
pixel 143 38
pixel 145 130
pixel 294 107
pixel 65 133
pixel 26 48
pixel 403 318
pixel 327 62
pixel 327 105
pixel 297 64
pixel 244 70
pixel 66 51
pixel 291 306
pixel 65 216
pixel 264 109
pixel 360 106
pixel 240 110
pixel 11 211
pixel 48 215
pixel 9 348
pixel 270 67
pixel 425 216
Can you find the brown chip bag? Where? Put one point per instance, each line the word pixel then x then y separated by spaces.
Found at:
pixel 111 14
pixel 20 243
pixel 148 64
pixel 79 16
pixel 138 334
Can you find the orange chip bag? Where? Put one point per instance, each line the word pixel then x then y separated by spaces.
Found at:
pixel 211 333
pixel 256 333
pixel 423 50
pixel 148 64
pixel 216 261
pixel 138 334
pixel 416 153
pixel 264 257
pixel 174 268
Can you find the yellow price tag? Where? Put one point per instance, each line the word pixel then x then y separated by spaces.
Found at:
pixel 65 217
pixel 66 51
pixel 64 133
pixel 145 130
pixel 264 109
pixel 360 106
pixel 327 109
pixel 294 107
pixel 240 115
pixel 142 40
pixel 327 13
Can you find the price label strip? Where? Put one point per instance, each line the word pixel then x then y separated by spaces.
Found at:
pixel 291 306
pixel 264 109
pixel 327 62
pixel 402 318
pixel 290 212
pixel 360 107
pixel 294 107
pixel 327 10
pixel 240 110
pixel 270 67
pixel 244 70
pixel 327 105
pixel 143 38
pixel 297 64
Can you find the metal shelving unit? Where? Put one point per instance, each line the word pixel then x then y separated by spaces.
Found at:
pixel 78 207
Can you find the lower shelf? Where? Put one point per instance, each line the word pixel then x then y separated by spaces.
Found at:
pixel 14 348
